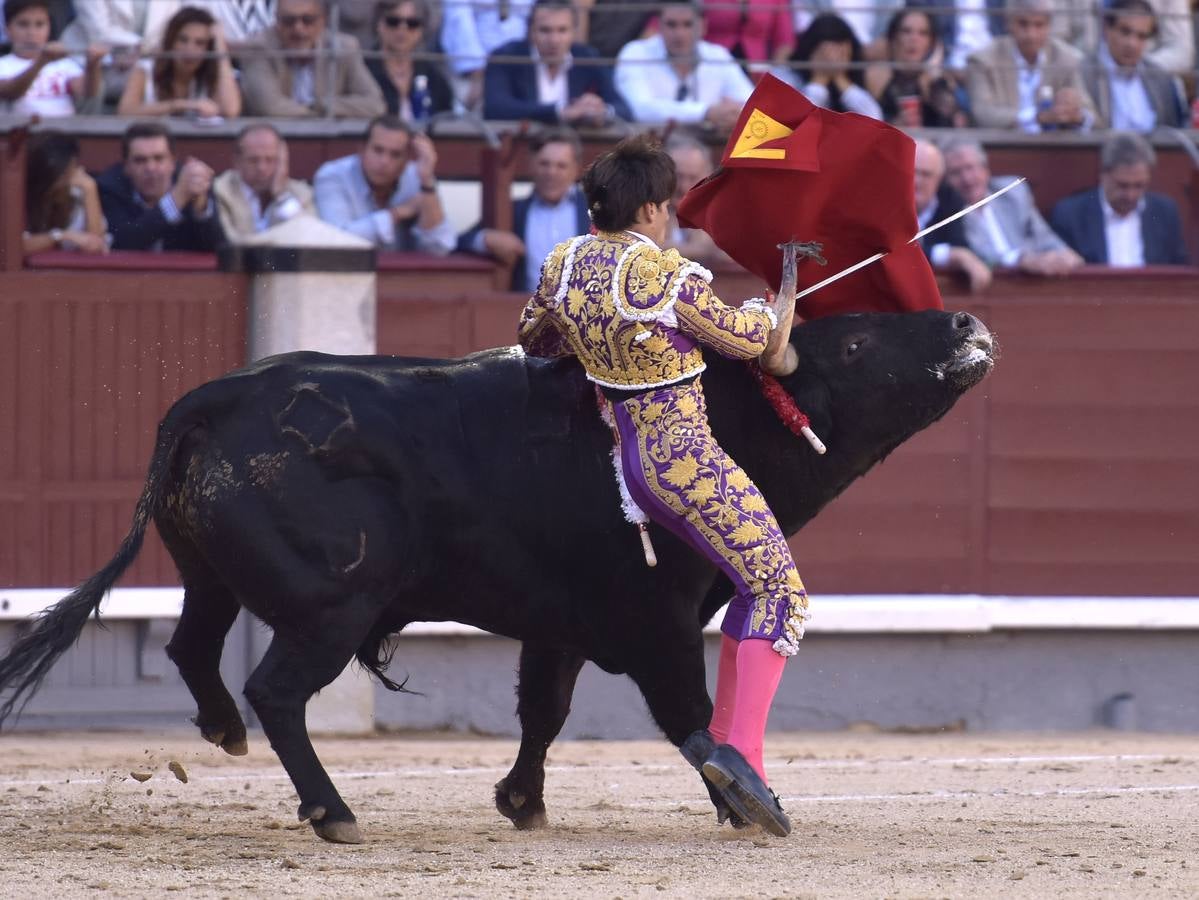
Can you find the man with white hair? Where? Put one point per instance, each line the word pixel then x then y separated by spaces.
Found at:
pixel 1008 231
pixel 1027 79
pixel 692 164
pixel 946 247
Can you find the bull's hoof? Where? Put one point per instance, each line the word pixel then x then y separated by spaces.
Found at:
pixel 524 812
pixel 236 748
pixel 229 736
pixel 338 832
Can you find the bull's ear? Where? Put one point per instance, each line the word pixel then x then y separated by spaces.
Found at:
pixel 813 399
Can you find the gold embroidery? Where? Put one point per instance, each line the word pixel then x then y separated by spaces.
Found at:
pixel 688 471
pixel 626 342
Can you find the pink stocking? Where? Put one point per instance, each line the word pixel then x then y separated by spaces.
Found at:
pixel 759 669
pixel 726 690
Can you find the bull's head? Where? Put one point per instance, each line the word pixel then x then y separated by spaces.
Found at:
pixel 870 381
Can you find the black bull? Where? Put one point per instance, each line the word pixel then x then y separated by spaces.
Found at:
pixel 338 499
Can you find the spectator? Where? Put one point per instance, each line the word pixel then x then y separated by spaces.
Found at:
pixel 1121 222
pixel 1172 48
pixel 257 194
pixel 864 19
pixel 127 27
pixel 387 193
pixel 828 68
pixel 62 204
pixel 471 30
pixel 1027 79
pixel 300 68
pixel 556 211
pixel 37 77
pixel 676 75
pixel 753 30
pixel 550 87
pixel 152 204
pixel 913 89
pixel 400 31
pixel 947 246
pixel 193 77
pixel 240 21
pixel 692 164
pixel 1130 92
pixel 1008 231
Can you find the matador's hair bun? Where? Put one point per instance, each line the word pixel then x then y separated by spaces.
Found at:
pixel 634 172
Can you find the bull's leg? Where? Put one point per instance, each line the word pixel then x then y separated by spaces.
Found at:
pixel 289 674
pixel 672 680
pixel 546 684
pixel 195 648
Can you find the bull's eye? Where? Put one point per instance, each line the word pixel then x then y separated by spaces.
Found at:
pixel 854 344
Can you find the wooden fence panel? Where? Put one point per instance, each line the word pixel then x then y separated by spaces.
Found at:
pixel 93 359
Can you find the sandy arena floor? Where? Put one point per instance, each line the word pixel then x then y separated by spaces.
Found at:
pixel 875 816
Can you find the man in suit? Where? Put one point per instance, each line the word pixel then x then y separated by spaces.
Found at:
pixel 1130 92
pixel 150 203
pixel 257 194
pixel 556 211
pixel 550 87
pixel 300 68
pixel 947 246
pixel 1008 231
pixel 1026 79
pixel 1121 222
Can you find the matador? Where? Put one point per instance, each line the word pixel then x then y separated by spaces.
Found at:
pixel 636 316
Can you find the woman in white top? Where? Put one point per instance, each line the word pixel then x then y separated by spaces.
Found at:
pixel 192 77
pixel 62 203
pixel 827 66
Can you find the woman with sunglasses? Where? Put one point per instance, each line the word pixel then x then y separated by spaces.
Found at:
pixel 400 29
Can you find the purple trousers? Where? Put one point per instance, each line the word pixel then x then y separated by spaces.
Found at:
pixel 682 479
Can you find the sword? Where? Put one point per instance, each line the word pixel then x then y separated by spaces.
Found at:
pixel 957 215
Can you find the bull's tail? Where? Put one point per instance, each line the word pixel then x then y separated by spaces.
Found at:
pixel 31 657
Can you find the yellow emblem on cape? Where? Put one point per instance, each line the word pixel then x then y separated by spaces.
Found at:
pixel 669 261
pixel 759 129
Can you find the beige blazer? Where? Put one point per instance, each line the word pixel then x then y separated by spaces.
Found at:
pixel 994 86
pixel 237 218
pixel 266 80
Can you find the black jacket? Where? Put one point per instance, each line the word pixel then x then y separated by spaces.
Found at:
pixel 510 89
pixel 135 226
pixel 441 95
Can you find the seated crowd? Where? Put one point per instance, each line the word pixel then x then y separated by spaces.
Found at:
pixel 1030 65
pixel 210 60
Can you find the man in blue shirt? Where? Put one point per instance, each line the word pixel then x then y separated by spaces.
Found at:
pixel 554 212
pixel 387 192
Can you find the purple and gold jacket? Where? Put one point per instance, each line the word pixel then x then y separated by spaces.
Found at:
pixel 635 315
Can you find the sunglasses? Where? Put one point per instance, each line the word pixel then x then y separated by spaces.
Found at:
pixel 307 20
pixel 411 22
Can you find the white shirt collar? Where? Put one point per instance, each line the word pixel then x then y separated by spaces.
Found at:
pixel 640 236
pixel 1116 71
pixel 1110 215
pixel 1023 64
pixel 536 57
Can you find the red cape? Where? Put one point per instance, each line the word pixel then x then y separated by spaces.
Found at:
pixel 793 170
